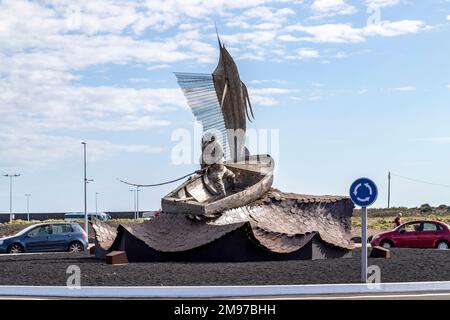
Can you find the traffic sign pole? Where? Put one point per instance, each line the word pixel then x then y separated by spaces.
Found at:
pixel 363 193
pixel 364 244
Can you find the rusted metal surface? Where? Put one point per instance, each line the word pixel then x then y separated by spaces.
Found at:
pixel 234 101
pixel 104 237
pixel 253 179
pixel 171 233
pixel 280 242
pixel 117 257
pixel 380 252
pixel 279 222
pixel 295 214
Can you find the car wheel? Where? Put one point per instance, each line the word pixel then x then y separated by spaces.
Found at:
pixel 76 247
pixel 443 245
pixel 386 244
pixel 15 248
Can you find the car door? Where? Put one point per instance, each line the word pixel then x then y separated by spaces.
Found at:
pixel 428 235
pixel 61 236
pixel 406 236
pixel 37 239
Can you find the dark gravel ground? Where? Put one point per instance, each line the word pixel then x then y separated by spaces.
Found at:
pixel 50 269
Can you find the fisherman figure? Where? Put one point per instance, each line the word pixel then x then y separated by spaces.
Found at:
pixel 212 163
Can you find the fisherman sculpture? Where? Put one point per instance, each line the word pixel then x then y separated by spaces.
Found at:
pixel 212 165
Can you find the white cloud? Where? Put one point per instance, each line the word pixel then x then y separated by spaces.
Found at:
pixel 346 33
pixel 305 53
pixel 382 3
pixel 341 55
pixel 256 37
pixel 437 140
pixel 271 91
pixel 266 96
pixel 332 7
pixel 396 28
pixel 331 33
pixel 267 81
pixel 49 48
pixel 448 86
pixel 263 101
pixel 404 88
pixel 269 14
pixel 24 147
pixel 46 45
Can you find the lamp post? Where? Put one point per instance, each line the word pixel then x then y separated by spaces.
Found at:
pixel 28 195
pixel 96 202
pixel 11 176
pixel 389 189
pixel 137 203
pixel 86 181
pixel 134 200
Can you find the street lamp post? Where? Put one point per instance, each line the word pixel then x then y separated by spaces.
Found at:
pixel 96 202
pixel 137 203
pixel 134 200
pixel 86 181
pixel 11 176
pixel 28 195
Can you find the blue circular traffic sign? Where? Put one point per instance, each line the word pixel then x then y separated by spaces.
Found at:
pixel 363 192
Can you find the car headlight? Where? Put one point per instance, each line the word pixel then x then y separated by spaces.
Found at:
pixel 1 242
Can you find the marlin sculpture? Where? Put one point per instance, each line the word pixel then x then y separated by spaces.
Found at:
pixel 221 102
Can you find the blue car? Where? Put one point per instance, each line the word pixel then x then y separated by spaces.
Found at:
pixel 46 237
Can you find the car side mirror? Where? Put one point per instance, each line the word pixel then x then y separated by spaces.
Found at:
pixel 402 231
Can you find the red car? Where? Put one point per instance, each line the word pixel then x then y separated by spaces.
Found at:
pixel 416 234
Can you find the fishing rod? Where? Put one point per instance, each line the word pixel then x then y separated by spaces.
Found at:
pixel 162 183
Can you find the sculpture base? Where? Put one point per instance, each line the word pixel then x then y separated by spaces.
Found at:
pixel 235 246
pixel 279 226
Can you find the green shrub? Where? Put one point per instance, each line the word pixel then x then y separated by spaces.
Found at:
pixel 426 208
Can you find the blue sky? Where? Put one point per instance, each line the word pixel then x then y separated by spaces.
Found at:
pixel 355 88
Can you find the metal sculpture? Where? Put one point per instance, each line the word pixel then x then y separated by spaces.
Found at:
pixel 221 102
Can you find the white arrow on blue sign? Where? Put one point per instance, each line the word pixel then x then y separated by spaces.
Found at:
pixel 363 192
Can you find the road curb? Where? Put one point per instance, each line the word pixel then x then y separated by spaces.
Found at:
pixel 220 291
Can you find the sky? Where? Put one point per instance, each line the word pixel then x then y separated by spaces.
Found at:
pixel 348 88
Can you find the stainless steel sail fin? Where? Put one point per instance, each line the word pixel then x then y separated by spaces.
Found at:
pixel 199 90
